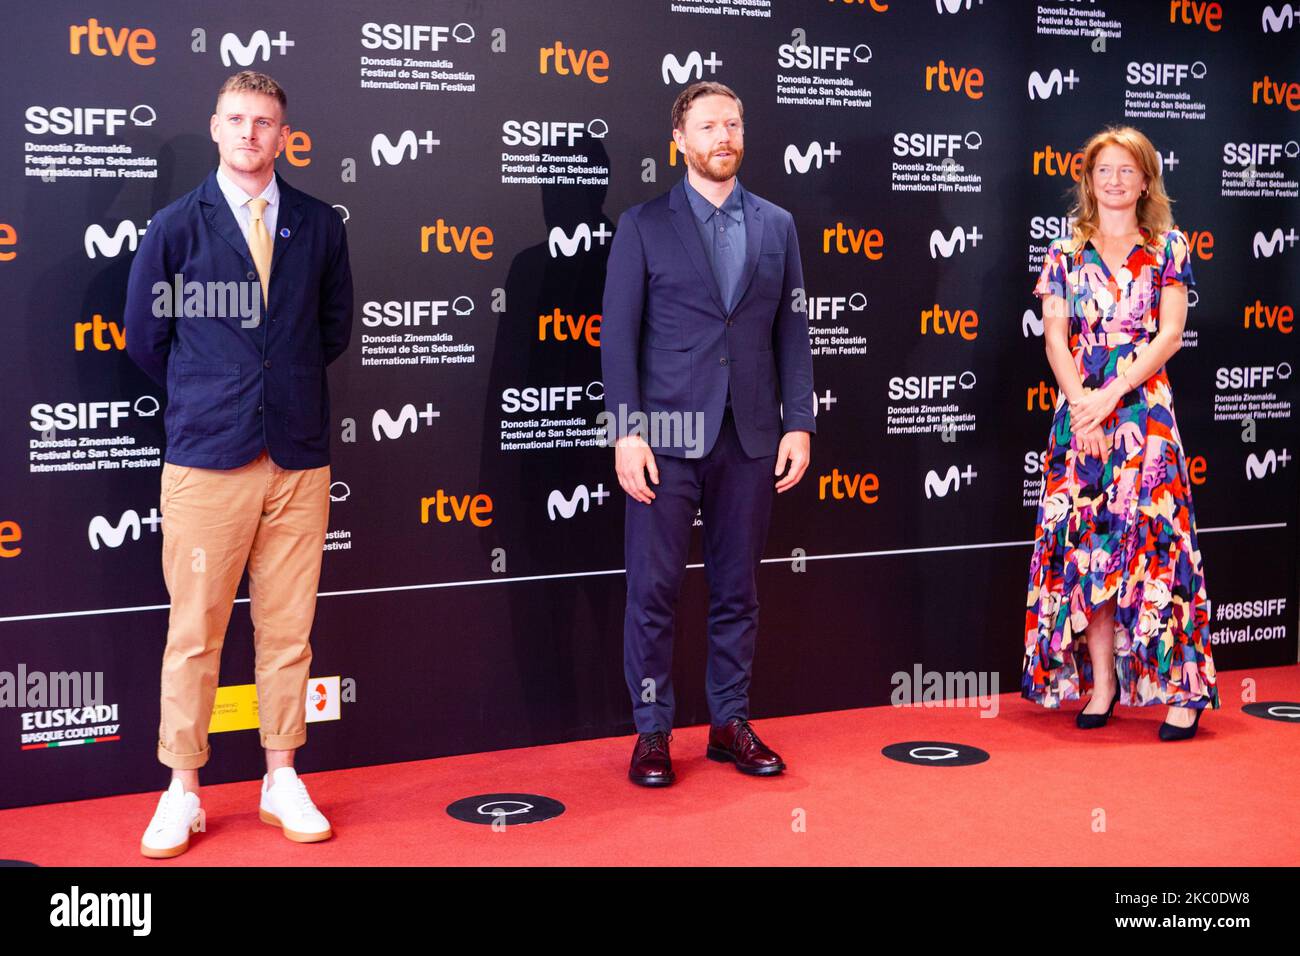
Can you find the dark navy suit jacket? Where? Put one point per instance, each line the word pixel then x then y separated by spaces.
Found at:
pixel 668 345
pixel 231 390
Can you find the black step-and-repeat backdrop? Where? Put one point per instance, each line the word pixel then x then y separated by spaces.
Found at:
pixel 481 153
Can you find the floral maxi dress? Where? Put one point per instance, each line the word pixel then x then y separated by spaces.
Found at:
pixel 1119 527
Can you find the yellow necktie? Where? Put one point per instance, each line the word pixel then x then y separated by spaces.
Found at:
pixel 259 244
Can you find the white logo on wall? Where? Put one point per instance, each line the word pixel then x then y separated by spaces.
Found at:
pixel 102 531
pixel 550 132
pixel 558 505
pixel 1041 88
pixel 956 242
pixel 821 58
pixel 801 161
pixel 88 415
pixel 1031 324
pixel 383 150
pixel 936 487
pixel 383 425
pixel 413 312
pixel 1275 22
pixel 681 72
pixel 234 52
pixel 935 144
pixel 339 491
pixel 99 241
pixel 1268 245
pixel 549 398
pixel 1163 74
pixel 1268 465
pixel 955 6
pixel 412 36
pixel 85 120
pixel 560 243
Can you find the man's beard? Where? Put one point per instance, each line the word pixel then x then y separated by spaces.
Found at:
pixel 710 167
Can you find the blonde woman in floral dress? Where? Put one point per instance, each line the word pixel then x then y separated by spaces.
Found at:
pixel 1117 600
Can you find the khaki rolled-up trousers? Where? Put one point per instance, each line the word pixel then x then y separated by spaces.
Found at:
pixel 214 522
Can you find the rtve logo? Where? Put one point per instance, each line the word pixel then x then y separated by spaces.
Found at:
pixel 1200 242
pixel 134 42
pixel 825 308
pixel 102 532
pixel 235 52
pixel 448 239
pixel 935 145
pixel 1040 397
pixel 560 506
pixel 800 161
pixel 8 237
pixel 11 532
pixel 563 327
pixel 961 79
pixel 384 150
pixel 1257 468
pixel 1251 376
pixel 396 312
pixel 96 327
pixel 1051 162
pixel 560 243
pixel 296 147
pixel 85 120
pixel 1044 87
pixel 1197 13
pixel 691 67
pixel 956 242
pixel 566 61
pixel 550 132
pixel 936 487
pixel 549 398
pixel 1163 74
pixel 929 386
pixel 383 425
pixel 448 508
pixel 1261 316
pixel 1273 245
pixel 941 321
pixel 876 6
pixel 1271 93
pixel 845 486
pixel 1283 19
pixel 842 240
pixel 412 36
pixel 88 415
pixel 98 241
pixel 820 58
pixel 1259 154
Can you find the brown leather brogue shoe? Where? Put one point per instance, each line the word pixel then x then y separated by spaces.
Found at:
pixel 652 766
pixel 735 741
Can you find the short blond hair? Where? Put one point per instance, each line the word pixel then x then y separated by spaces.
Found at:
pixel 250 81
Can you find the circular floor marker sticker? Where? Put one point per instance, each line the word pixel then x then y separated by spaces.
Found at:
pixel 935 753
pixel 511 809
pixel 1286 711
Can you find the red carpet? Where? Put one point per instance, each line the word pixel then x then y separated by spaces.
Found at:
pixel 1227 798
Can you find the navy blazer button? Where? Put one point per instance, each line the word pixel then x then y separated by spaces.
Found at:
pixel 252 275
pixel 731 321
pixel 259 409
pixel 267 363
pixel 722 361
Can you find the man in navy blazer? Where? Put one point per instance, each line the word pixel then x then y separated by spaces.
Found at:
pixel 708 384
pixel 240 294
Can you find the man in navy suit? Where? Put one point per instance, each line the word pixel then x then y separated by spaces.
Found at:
pixel 240 294
pixel 705 354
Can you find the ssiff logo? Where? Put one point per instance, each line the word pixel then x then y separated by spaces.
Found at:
pixel 134 42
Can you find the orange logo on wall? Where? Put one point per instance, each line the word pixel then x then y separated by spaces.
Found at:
pixel 296 147
pixel 10 534
pixel 96 328
pixel 134 42
pixel 8 237
pixel 568 328
pixel 961 79
pixel 941 321
pixel 447 239
pixel 1196 469
pixel 1261 316
pixel 1201 243
pixel 1040 397
pixel 448 508
pixel 1271 93
pixel 1197 13
pixel 1050 162
pixel 876 5
pixel 844 486
pixel 566 61
pixel 845 241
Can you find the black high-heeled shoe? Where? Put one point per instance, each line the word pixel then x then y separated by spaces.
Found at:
pixel 1170 732
pixel 1093 721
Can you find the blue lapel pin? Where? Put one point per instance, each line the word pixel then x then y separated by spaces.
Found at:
pixel 284 232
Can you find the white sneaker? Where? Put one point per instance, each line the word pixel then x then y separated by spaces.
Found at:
pixel 178 815
pixel 286 804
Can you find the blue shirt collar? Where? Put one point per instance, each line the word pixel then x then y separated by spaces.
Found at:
pixel 732 206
